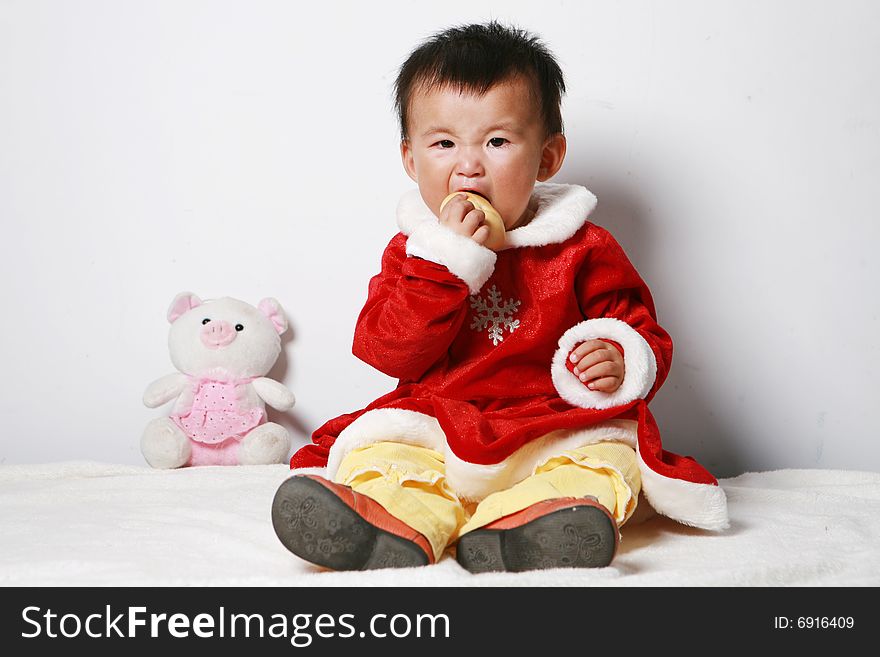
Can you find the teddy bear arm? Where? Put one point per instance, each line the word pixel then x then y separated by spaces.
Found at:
pixel 164 390
pixel 277 395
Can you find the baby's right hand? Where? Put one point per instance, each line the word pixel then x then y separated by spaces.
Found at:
pixel 461 217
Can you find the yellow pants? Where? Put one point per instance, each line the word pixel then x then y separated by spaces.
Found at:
pixel 410 483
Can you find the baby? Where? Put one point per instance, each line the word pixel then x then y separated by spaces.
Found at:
pixel 519 431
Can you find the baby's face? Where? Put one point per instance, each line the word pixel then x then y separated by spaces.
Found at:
pixel 494 144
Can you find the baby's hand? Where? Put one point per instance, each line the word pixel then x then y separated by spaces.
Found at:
pixel 461 217
pixel 599 365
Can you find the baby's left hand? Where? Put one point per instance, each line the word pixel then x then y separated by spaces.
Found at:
pixel 599 365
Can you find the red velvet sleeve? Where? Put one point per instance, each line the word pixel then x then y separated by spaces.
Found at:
pixel 413 312
pixel 609 286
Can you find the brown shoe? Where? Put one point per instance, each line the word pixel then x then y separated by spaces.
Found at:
pixel 564 532
pixel 333 526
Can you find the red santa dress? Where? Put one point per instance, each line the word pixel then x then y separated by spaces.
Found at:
pixel 480 342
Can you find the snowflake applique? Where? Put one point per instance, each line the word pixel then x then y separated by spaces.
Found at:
pixel 494 315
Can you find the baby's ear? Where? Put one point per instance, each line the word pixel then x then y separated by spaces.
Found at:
pixel 552 156
pixel 183 303
pixel 409 162
pixel 273 310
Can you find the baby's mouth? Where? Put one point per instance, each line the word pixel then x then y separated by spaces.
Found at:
pixel 477 192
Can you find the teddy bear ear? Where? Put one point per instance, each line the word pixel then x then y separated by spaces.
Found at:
pixel 183 302
pixel 273 310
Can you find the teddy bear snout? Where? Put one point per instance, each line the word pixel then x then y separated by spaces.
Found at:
pixel 217 334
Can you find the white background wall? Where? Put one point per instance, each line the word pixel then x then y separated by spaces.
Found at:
pixel 249 149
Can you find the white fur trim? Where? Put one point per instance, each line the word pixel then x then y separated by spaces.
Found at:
pixel 381 424
pixel 697 505
pixel 463 257
pixel 639 362
pixel 470 481
pixel 560 210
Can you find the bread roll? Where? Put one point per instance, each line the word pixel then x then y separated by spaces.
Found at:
pixel 493 220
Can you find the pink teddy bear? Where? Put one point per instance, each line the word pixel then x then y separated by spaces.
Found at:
pixel 223 349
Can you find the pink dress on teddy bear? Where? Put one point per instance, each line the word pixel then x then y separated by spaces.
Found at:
pixel 216 414
pixel 217 422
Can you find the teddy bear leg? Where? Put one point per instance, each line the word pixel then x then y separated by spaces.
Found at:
pixel 164 444
pixel 267 443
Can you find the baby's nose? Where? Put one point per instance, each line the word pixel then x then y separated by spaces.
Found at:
pixel 470 164
pixel 217 334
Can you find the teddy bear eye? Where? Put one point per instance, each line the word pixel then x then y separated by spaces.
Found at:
pixel 239 327
pixel 206 320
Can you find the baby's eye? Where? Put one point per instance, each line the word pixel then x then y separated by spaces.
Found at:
pixel 497 142
pixel 445 143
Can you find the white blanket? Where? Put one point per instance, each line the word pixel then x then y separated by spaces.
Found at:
pixel 84 523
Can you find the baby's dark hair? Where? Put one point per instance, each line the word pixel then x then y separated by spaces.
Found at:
pixel 476 57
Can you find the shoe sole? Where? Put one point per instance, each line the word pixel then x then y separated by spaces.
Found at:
pixel 575 537
pixel 319 527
